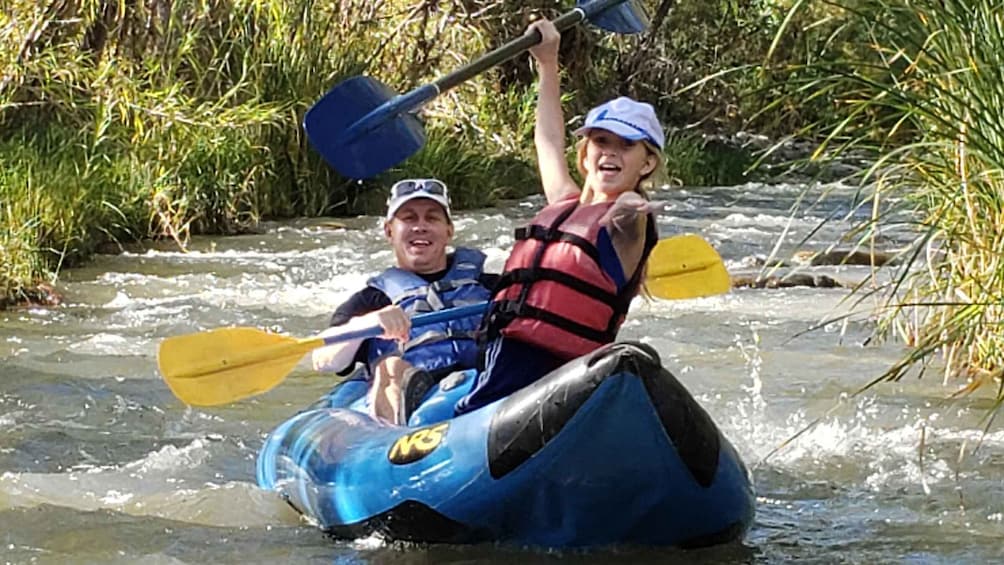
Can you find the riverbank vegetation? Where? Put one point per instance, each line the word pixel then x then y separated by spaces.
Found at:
pixel 158 119
pixel 919 86
pixel 122 121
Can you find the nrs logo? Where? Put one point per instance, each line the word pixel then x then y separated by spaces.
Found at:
pixel 417 444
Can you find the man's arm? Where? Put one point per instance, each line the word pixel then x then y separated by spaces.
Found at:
pixel 354 313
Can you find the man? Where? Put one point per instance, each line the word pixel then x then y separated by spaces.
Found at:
pixel 419 228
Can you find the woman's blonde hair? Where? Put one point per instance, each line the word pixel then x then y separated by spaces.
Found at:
pixel 647 182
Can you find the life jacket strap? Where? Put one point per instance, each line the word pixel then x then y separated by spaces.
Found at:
pixel 506 311
pixel 553 234
pixel 437 336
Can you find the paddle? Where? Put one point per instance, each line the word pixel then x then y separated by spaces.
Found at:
pixel 227 364
pixel 686 266
pixel 362 129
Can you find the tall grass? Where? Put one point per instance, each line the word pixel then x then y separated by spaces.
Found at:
pixel 920 87
pixel 165 118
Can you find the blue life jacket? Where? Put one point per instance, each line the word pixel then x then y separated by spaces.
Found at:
pixel 446 346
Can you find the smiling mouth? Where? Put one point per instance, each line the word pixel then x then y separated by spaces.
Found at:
pixel 608 168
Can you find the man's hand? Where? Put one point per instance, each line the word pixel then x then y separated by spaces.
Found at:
pixel 391 319
pixel 395 323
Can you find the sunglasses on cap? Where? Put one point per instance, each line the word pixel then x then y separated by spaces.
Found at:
pixel 411 186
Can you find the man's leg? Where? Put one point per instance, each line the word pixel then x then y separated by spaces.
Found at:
pixel 385 392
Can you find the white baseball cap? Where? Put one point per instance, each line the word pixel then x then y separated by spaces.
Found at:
pixel 410 189
pixel 627 118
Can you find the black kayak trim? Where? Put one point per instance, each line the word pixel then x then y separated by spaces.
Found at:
pixel 412 521
pixel 530 417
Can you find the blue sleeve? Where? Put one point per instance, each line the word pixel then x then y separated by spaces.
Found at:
pixel 609 261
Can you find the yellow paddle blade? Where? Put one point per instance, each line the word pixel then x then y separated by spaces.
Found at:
pixel 228 364
pixel 686 266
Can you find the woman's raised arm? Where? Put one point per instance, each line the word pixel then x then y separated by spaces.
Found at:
pixel 549 132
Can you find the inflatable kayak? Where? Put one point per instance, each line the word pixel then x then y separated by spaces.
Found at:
pixel 608 449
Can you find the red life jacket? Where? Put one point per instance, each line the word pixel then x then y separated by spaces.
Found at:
pixel 553 292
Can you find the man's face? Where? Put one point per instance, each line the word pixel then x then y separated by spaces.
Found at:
pixel 419 233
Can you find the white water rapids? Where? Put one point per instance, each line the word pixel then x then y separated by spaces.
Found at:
pixel 100 464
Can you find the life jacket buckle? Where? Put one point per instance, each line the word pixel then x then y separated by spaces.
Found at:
pixel 511 309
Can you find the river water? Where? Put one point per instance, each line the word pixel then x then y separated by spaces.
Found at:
pixel 99 463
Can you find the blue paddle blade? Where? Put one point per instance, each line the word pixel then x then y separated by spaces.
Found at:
pixel 388 138
pixel 628 17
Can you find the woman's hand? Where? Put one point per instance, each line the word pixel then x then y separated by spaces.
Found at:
pixel 626 210
pixel 545 52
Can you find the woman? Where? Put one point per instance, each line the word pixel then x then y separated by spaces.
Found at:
pixel 575 268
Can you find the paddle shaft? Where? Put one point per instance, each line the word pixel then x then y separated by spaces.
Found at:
pixel 419 96
pixel 297 347
pixel 420 320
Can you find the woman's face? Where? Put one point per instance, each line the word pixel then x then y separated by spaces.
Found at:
pixel 613 164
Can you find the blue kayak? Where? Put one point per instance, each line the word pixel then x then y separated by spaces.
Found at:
pixel 608 449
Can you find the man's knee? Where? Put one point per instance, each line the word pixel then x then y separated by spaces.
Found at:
pixel 391 370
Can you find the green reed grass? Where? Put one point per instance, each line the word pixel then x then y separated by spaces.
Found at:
pixel 167 118
pixel 163 119
pixel 920 87
pixel 693 160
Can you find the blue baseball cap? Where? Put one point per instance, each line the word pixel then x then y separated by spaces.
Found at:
pixel 627 118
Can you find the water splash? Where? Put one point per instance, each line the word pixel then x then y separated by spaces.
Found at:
pixel 156 485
